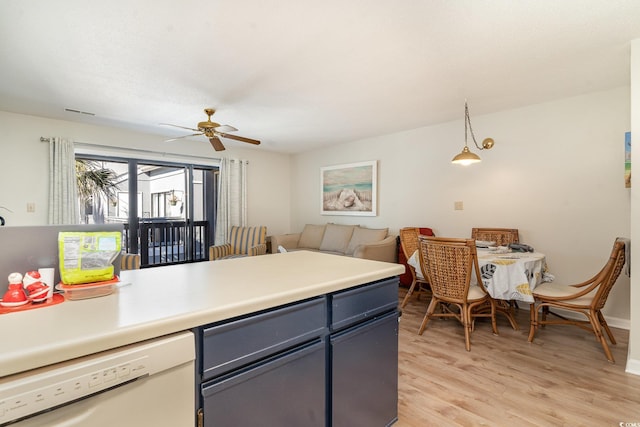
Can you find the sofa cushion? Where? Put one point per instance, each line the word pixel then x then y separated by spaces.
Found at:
pixel 336 238
pixel 311 236
pixel 365 235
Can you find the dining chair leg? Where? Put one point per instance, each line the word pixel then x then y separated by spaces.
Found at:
pixel 506 308
pixel 533 320
pixel 409 292
pixel 466 322
pixel 600 336
pixel 494 325
pixel 430 311
pixel 545 313
pixel 606 327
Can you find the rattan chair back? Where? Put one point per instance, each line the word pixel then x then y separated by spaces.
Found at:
pixel 448 263
pixel 409 242
pixel 587 298
pixel 609 274
pixel 502 236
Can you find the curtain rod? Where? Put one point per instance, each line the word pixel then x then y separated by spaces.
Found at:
pixel 134 150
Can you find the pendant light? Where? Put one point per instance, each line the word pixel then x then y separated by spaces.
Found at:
pixel 466 157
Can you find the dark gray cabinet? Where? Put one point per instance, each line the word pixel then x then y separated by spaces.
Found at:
pixel 364 355
pixel 287 390
pixel 330 360
pixel 364 382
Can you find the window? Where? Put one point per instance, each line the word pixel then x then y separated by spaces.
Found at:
pixel 167 208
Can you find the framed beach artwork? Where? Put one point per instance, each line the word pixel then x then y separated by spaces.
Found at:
pixel 627 159
pixel 349 189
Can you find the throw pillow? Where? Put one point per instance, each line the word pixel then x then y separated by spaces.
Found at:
pixel 311 236
pixel 336 238
pixel 365 235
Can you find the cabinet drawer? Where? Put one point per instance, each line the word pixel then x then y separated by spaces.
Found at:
pixel 288 390
pixel 237 343
pixel 356 305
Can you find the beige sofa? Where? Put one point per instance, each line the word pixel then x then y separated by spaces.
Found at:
pixel 349 240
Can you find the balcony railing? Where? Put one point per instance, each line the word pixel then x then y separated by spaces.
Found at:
pixel 163 241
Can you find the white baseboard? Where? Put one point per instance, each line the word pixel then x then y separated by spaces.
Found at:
pixel 633 366
pixel 614 322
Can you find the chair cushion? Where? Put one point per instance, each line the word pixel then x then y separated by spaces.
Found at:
pixel 475 293
pixel 363 235
pixel 243 238
pixel 551 289
pixel 336 238
pixel 311 236
pixel 219 251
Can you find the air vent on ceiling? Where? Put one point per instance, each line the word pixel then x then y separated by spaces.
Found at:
pixel 79 112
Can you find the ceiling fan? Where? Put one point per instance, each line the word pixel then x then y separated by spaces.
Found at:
pixel 213 131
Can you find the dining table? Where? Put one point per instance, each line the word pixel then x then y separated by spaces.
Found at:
pixel 506 275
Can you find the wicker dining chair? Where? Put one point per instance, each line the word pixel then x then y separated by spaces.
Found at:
pixel 502 236
pixel 409 244
pixel 587 298
pixel 448 263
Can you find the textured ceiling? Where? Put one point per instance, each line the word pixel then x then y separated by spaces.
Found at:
pixel 301 74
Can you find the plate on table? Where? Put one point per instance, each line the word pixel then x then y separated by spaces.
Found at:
pixel 485 244
pixel 13 304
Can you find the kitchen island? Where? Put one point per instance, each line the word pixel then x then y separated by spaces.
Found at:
pixel 202 296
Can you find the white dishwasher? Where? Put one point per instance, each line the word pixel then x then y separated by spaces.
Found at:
pixel 151 383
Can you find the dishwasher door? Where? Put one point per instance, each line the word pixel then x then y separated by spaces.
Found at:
pixel 146 384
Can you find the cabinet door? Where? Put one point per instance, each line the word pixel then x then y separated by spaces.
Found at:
pixel 288 390
pixel 364 374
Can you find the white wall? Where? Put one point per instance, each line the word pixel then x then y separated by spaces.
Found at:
pixel 556 173
pixel 24 167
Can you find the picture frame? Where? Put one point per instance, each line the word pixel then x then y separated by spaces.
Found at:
pixel 349 189
pixel 627 159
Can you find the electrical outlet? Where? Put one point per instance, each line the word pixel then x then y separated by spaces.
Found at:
pixel 457 206
pixel 31 207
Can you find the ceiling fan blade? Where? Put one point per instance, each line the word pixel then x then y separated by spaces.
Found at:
pixel 185 136
pixel 216 143
pixel 178 126
pixel 225 128
pixel 240 138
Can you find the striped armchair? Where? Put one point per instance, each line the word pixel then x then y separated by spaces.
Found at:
pixel 129 261
pixel 243 241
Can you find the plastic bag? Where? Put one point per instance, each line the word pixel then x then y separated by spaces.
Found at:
pixel 87 257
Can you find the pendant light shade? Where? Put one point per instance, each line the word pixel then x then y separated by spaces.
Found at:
pixel 466 157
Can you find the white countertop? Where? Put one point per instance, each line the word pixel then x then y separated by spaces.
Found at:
pixel 163 300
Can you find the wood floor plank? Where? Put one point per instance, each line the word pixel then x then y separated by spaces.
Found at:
pixel 561 379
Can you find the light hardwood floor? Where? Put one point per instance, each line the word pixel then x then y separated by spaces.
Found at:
pixel 561 379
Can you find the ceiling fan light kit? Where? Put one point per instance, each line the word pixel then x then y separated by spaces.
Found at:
pixel 466 157
pixel 214 131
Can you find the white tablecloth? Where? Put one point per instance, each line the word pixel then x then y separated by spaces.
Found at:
pixel 509 276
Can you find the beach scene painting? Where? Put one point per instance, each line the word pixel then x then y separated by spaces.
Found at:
pixel 627 159
pixel 349 189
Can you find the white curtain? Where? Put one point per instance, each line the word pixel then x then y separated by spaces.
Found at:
pixel 232 197
pixel 63 192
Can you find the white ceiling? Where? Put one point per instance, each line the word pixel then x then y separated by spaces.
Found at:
pixel 301 74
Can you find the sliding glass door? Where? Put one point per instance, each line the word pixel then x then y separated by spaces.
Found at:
pixel 167 208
